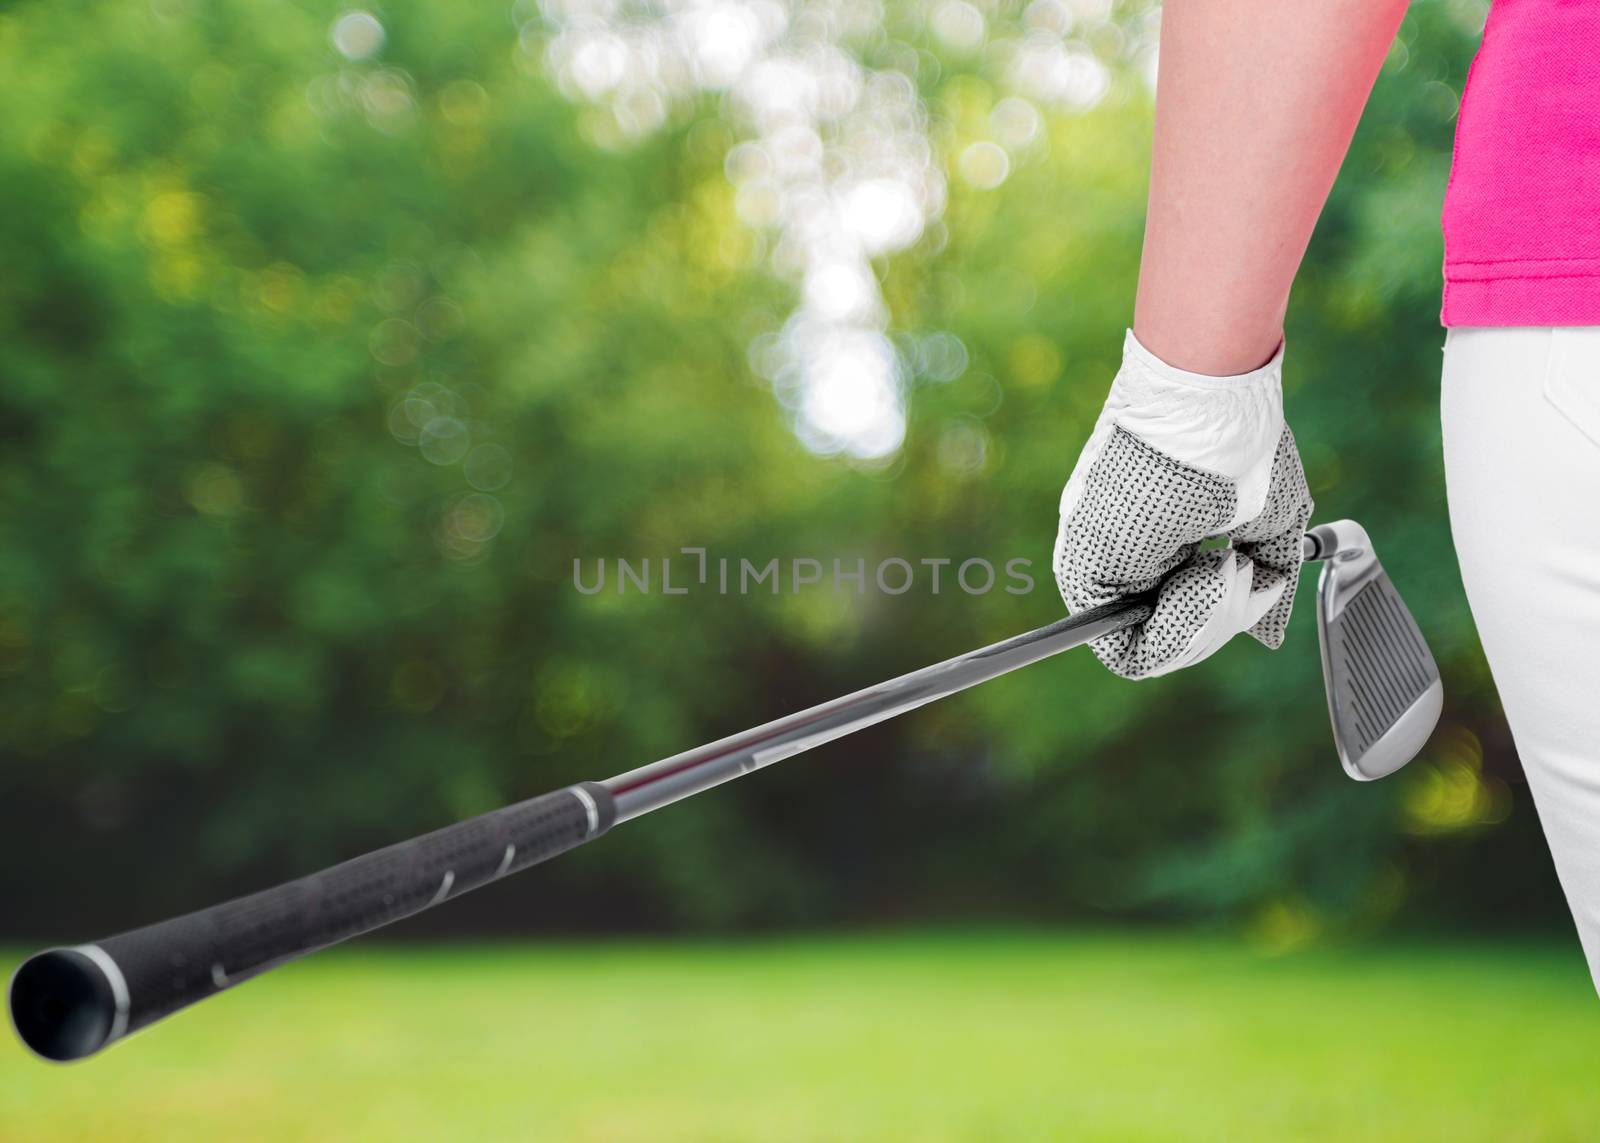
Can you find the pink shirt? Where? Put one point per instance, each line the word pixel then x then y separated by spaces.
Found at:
pixel 1522 212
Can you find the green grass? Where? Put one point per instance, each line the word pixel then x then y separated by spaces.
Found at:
pixel 928 1038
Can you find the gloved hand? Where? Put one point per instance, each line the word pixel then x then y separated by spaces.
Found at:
pixel 1174 459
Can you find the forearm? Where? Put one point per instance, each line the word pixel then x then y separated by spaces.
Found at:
pixel 1255 106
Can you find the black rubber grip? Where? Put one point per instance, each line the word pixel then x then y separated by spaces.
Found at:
pixel 70 1003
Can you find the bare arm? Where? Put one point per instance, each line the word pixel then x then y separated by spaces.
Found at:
pixel 1256 103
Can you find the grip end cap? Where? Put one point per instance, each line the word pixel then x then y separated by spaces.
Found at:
pixel 63 1005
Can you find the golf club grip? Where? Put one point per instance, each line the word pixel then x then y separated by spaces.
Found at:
pixel 70 1003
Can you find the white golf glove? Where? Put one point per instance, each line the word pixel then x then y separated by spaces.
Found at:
pixel 1177 458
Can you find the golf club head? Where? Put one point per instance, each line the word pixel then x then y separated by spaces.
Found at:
pixel 1384 691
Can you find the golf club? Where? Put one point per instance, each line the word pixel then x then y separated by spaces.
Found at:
pixel 1383 689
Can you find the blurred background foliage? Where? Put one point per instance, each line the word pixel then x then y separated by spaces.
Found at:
pixel 332 338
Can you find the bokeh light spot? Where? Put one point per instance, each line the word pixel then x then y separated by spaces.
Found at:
pixel 214 490
pixel 394 342
pixel 488 467
pixel 357 35
pixel 1015 122
pixel 444 440
pixel 984 165
pixel 477 517
pixel 958 25
pixel 963 448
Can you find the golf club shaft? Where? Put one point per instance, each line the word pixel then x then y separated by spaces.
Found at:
pixel 69 1003
pixel 662 783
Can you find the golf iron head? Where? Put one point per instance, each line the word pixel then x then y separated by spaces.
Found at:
pixel 1384 691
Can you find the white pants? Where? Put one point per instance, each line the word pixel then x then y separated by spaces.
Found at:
pixel 1522 464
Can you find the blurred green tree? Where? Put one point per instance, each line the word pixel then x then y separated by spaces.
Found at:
pixel 324 357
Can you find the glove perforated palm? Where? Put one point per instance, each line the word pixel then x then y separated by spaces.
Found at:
pixel 1175 459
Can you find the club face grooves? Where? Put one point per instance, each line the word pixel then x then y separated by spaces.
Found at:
pixel 1384 692
pixel 1391 659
